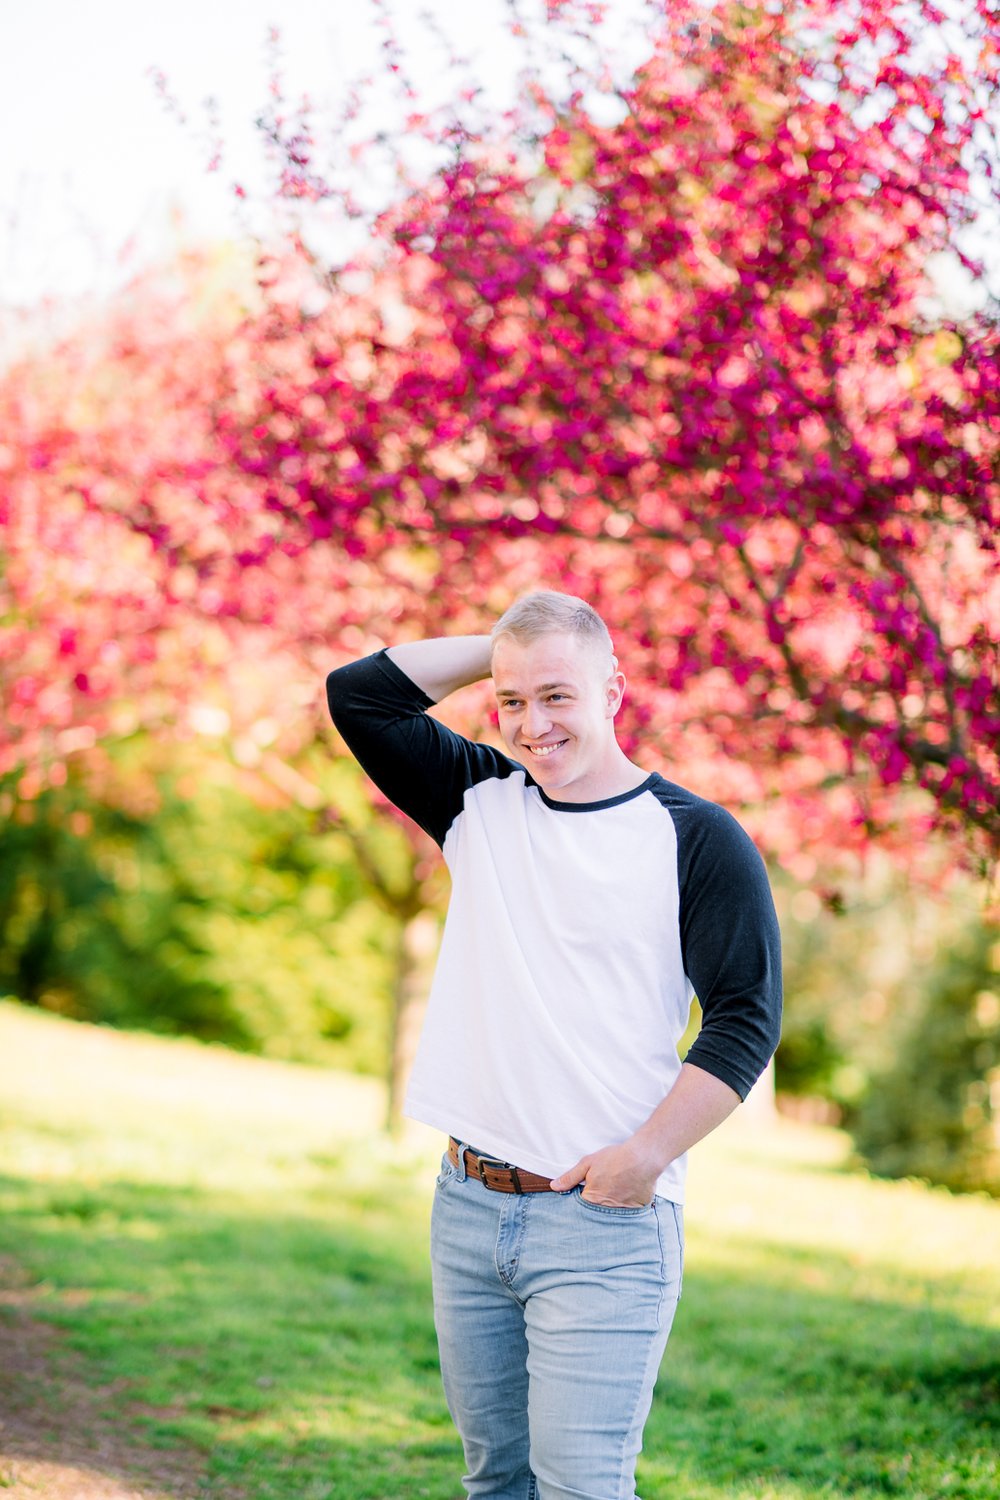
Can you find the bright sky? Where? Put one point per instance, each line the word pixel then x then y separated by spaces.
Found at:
pixel 95 170
pixel 94 167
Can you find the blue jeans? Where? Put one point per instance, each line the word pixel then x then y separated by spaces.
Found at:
pixel 552 1317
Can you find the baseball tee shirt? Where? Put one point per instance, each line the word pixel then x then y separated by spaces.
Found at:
pixel 576 936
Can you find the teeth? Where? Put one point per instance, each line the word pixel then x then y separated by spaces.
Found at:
pixel 544 749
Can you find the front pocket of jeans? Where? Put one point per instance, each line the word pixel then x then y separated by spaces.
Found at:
pixel 614 1212
pixel 447 1172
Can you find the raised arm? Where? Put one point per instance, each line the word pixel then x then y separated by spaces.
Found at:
pixel 442 666
pixel 379 704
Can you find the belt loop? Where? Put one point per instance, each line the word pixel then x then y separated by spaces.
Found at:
pixel 462 1146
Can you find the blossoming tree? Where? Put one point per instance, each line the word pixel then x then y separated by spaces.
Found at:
pixel 689 364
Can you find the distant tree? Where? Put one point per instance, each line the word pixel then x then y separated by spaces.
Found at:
pixel 168 889
pixel 933 1113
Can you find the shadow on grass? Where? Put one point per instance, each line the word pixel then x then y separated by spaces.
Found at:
pixel 295 1350
pixel 791 1378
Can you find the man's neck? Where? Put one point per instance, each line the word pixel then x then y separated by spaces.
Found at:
pixel 620 777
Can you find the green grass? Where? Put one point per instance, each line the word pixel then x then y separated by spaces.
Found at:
pixel 240 1260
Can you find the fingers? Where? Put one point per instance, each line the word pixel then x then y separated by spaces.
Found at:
pixel 570 1179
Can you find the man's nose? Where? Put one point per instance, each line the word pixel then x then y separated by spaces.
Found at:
pixel 536 720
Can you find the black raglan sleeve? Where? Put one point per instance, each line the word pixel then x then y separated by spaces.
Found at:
pixel 422 767
pixel 731 945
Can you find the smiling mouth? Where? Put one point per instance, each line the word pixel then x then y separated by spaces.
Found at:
pixel 541 751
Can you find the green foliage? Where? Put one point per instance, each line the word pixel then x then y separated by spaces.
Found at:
pixel 809 1057
pixel 181 904
pixel 840 982
pixel 859 959
pixel 932 1113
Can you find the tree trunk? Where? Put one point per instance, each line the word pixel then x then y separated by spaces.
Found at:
pixel 418 941
pixel 759 1106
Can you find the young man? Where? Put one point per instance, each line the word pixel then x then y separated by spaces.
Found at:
pixel 590 901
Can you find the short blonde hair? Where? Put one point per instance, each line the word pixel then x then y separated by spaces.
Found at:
pixel 545 611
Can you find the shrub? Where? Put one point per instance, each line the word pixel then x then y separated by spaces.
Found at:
pixel 934 1112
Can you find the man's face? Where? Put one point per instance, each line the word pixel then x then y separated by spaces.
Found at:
pixel 556 701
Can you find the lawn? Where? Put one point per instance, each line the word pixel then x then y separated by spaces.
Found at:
pixel 238 1258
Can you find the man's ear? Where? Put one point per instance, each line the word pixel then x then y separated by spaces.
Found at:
pixel 615 692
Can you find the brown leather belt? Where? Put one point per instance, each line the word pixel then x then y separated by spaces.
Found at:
pixel 498 1176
